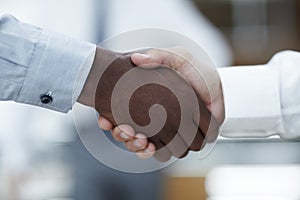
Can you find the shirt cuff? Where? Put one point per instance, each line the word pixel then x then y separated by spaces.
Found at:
pixel 252 101
pixel 58 70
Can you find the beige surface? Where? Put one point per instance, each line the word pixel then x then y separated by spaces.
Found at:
pixel 185 188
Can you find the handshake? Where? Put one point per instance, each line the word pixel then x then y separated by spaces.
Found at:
pixel 159 102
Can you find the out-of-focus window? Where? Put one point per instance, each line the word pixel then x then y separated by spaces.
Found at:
pixel 256 29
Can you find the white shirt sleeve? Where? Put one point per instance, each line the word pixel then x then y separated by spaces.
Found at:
pixel 264 100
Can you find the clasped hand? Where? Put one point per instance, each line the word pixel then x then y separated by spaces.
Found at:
pixel 183 73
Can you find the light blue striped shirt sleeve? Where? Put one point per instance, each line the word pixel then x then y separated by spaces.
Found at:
pixel 34 62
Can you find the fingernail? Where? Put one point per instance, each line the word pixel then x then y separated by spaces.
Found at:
pixel 137 143
pixel 124 136
pixel 148 151
pixel 144 56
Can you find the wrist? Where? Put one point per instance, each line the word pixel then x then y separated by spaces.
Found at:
pixel 103 58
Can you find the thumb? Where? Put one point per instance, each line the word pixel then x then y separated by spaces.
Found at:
pixel 146 60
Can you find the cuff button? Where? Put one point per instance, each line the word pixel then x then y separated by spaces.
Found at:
pixel 46 98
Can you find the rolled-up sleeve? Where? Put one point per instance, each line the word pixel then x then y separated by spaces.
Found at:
pixel 35 63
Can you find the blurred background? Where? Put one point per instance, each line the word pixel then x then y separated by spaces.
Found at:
pixel 42 158
pixel 255 29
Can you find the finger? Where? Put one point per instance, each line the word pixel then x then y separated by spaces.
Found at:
pixel 148 152
pixel 184 154
pixel 165 57
pixel 162 153
pixel 213 131
pixel 194 142
pixel 198 142
pixel 177 146
pixel 104 123
pixel 123 133
pixel 192 135
pixel 207 123
pixel 139 143
pixel 146 59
